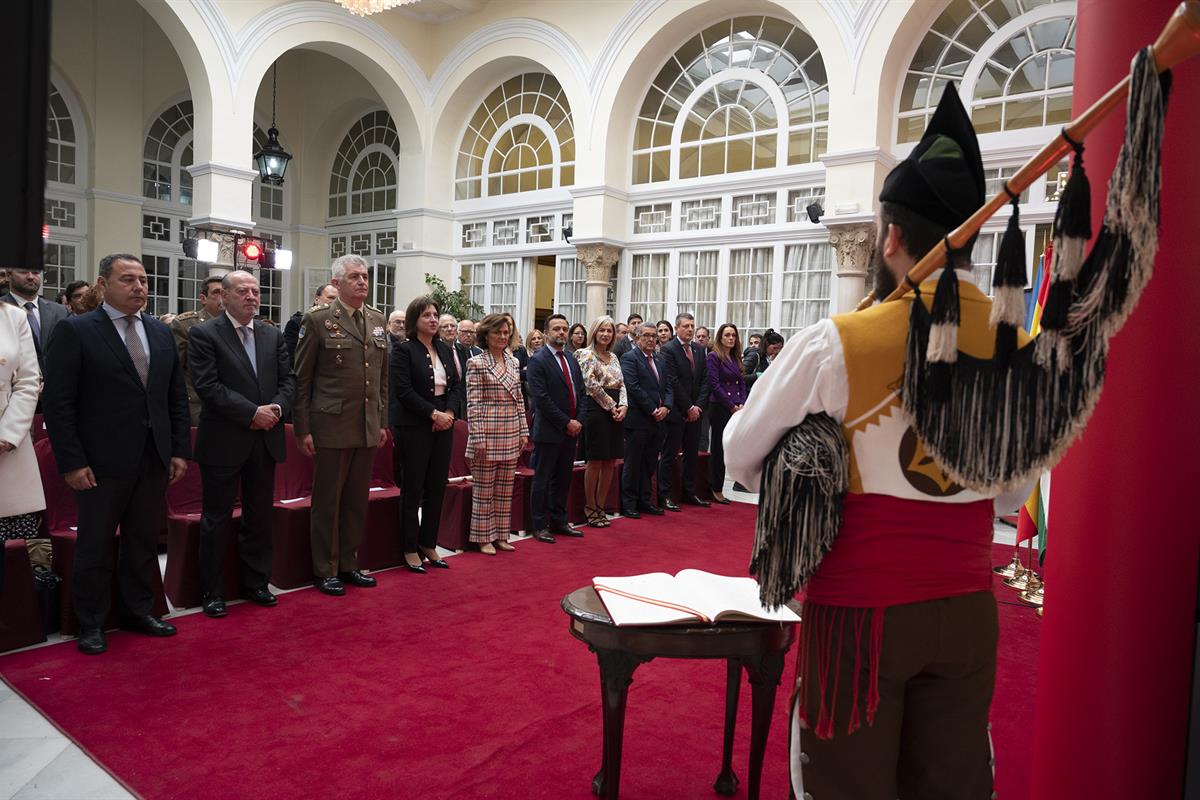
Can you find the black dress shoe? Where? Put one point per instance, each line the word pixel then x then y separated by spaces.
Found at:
pixel 631 515
pixel 722 500
pixel 692 500
pixel 669 505
pixel 330 586
pixel 440 563
pixel 419 568
pixel 91 641
pixel 544 535
pixel 655 510
pixel 149 625
pixel 213 606
pixel 261 596
pixel 356 578
pixel 567 529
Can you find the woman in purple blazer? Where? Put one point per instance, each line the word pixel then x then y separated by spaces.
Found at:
pixel 727 396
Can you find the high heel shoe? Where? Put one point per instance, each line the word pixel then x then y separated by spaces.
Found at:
pixel 440 563
pixel 505 546
pixel 720 498
pixel 418 568
pixel 595 517
pixel 487 549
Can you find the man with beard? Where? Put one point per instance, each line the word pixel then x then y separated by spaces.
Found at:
pixel 899 613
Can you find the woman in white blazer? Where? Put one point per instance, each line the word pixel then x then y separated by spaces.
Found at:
pixel 21 497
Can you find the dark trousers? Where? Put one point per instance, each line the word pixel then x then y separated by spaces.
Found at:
pixel 716 457
pixel 136 504
pixel 256 479
pixel 426 463
pixel 642 448
pixel 551 482
pixel 937 671
pixel 683 436
pixel 341 492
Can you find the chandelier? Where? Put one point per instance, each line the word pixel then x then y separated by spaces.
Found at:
pixel 366 7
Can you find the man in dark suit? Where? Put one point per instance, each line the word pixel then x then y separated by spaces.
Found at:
pixel 117 415
pixel 556 394
pixel 650 399
pixel 25 286
pixel 243 375
pixel 687 374
pixel 630 340
pixel 291 331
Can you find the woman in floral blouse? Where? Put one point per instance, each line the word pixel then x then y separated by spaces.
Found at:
pixel 605 405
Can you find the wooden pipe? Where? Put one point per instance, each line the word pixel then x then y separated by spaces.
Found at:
pixel 1179 41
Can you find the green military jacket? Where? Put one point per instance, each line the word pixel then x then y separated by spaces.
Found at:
pixel 341 377
pixel 180 326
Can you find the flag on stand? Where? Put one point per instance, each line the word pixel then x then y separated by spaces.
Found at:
pixel 1032 518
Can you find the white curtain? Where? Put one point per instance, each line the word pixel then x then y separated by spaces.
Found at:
pixel 698 286
pixel 648 286
pixel 749 304
pixel 807 277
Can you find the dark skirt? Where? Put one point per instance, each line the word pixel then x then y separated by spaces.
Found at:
pixel 604 440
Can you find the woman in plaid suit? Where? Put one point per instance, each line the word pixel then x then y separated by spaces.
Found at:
pixel 497 431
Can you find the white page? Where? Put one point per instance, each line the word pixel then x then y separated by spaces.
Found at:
pixel 631 611
pixel 716 593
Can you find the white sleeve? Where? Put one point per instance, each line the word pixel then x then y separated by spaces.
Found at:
pixel 807 377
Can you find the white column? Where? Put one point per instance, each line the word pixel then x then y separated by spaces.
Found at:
pixel 598 260
pixel 854 245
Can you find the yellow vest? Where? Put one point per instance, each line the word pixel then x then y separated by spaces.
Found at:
pixel 886 457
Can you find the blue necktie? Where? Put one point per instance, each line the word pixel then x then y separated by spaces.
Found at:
pixel 34 325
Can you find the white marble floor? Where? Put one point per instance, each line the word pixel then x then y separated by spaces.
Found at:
pixel 39 763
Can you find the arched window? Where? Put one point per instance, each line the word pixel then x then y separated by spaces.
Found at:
pixel 364 175
pixel 60 140
pixel 747 93
pixel 167 155
pixel 1014 59
pixel 521 138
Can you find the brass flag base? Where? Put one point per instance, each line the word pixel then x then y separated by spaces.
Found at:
pixel 1034 594
pixel 1012 568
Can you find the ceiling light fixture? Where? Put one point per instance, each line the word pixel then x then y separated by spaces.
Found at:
pixel 365 8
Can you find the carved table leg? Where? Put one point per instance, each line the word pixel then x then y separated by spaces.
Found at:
pixel 727 781
pixel 616 673
pixel 765 674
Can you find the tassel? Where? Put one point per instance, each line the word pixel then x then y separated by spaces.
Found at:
pixel 1072 232
pixel 800 507
pixel 942 352
pixel 1008 287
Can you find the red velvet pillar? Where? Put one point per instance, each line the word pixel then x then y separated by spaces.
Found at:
pixel 1124 535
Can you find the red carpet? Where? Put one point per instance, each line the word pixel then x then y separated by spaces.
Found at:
pixel 458 684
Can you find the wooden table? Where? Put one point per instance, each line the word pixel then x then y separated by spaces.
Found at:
pixel 758 647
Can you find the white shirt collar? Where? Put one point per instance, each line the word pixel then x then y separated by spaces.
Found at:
pixel 237 324
pixel 114 314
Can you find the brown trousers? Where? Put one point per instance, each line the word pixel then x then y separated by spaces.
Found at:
pixel 929 740
pixel 341 490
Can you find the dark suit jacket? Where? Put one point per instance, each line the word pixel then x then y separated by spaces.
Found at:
pixel 96 406
pixel 624 345
pixel 230 393
pixel 690 386
pixel 548 394
pixel 49 314
pixel 291 335
pixel 646 393
pixel 410 375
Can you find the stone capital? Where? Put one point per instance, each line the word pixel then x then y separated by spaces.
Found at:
pixel 598 260
pixel 854 245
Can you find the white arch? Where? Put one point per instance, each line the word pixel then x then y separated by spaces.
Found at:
pixel 734 73
pixel 1002 35
pixel 512 122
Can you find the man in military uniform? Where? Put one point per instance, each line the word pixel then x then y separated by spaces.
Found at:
pixel 340 418
pixel 211 305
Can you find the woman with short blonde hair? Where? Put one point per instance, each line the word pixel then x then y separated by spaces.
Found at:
pixel 604 406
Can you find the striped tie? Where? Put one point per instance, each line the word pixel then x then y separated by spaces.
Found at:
pixel 137 352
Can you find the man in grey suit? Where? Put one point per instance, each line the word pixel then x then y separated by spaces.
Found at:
pixel 25 286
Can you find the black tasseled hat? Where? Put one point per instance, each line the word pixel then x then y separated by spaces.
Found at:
pixel 942 179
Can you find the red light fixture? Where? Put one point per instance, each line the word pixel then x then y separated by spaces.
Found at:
pixel 45 231
pixel 252 251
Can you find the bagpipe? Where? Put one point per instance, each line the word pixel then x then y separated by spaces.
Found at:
pixel 995 424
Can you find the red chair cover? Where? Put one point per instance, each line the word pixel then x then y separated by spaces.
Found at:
pixel 456 516
pixel 522 517
pixel 181 581
pixel 380 547
pixel 460 466
pixel 20 619
pixel 61 512
pixel 38 432
pixel 382 472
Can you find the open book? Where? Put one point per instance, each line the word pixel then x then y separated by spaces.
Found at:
pixel 689 596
